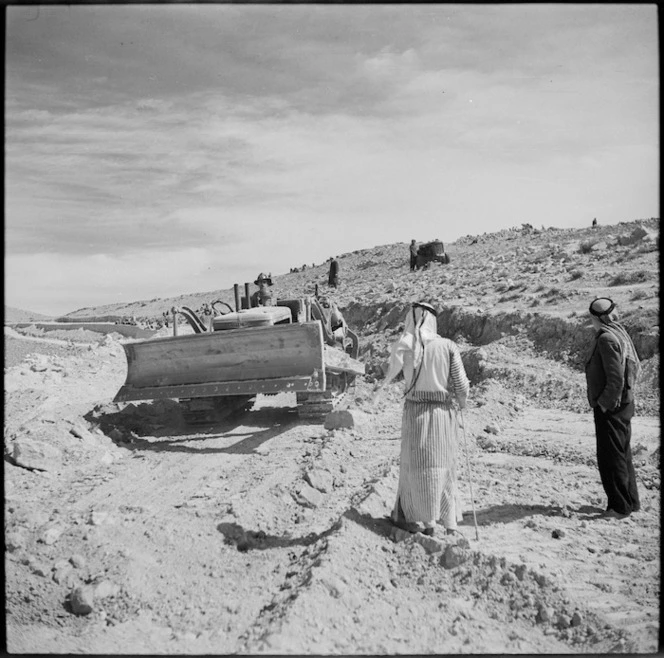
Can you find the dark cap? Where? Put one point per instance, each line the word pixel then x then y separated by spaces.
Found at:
pixel 601 306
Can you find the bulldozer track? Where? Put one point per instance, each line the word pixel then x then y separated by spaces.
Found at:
pixel 205 411
pixel 315 406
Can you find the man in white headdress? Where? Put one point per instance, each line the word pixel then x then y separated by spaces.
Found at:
pixel 434 376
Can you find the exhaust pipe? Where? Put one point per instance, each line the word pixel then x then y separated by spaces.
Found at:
pixel 246 294
pixel 236 290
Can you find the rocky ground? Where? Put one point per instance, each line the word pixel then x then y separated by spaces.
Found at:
pixel 128 532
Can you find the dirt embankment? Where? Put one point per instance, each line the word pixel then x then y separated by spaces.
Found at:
pixel 553 350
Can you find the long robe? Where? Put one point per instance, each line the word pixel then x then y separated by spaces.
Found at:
pixel 428 488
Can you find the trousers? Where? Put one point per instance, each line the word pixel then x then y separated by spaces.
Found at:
pixel 613 430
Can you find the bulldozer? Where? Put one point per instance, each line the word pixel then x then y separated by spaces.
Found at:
pixel 298 345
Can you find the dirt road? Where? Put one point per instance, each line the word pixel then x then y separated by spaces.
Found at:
pixel 267 535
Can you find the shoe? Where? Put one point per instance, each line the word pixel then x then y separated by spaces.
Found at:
pixel 454 532
pixel 429 532
pixel 612 514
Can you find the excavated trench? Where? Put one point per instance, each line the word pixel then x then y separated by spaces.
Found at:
pixel 550 334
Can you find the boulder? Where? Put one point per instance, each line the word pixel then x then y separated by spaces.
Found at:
pixel 16 540
pixel 36 455
pixel 64 575
pixel 341 419
pixel 78 561
pixel 38 568
pixel 320 479
pixel 50 535
pixel 309 497
pixel 430 544
pixel 81 432
pixel 635 236
pixel 105 589
pixel 545 615
pixel 82 600
pixel 373 505
pixel 492 428
pixel 454 556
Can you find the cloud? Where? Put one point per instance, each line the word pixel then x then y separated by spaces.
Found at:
pixel 282 135
pixel 58 284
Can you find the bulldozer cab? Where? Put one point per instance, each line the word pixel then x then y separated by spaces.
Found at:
pixel 434 248
pixel 429 252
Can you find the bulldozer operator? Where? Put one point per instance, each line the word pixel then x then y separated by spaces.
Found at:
pixel 263 296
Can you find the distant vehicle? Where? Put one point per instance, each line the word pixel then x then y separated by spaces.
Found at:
pixel 431 252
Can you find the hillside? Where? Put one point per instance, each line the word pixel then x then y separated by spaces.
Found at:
pixel 19 315
pixel 128 531
pixel 530 283
pixel 550 271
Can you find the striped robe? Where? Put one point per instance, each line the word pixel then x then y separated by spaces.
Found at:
pixel 427 475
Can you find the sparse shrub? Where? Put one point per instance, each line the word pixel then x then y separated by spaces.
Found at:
pixel 540 287
pixel 366 264
pixel 587 246
pixel 639 294
pixel 509 298
pixel 501 287
pixel 535 302
pixel 575 274
pixel 626 278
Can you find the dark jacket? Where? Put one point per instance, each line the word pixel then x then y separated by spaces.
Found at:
pixel 334 272
pixel 609 383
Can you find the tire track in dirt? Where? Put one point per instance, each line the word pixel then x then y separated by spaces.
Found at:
pixel 565 613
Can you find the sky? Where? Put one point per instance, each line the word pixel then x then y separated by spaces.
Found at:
pixel 158 150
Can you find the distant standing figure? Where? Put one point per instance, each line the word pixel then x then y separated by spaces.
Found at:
pixel 595 222
pixel 413 255
pixel 333 278
pixel 434 375
pixel 611 373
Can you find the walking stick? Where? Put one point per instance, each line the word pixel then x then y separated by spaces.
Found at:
pixel 470 476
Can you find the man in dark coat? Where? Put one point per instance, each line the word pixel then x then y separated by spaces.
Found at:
pixel 611 374
pixel 413 255
pixel 333 278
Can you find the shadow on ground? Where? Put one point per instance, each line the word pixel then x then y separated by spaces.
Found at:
pixel 158 426
pixel 509 513
pixel 247 540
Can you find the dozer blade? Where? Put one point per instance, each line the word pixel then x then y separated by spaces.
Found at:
pixel 232 362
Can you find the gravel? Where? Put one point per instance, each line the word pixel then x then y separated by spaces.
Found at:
pixel 17 349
